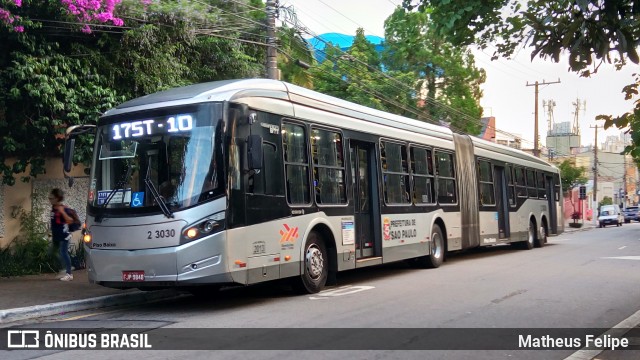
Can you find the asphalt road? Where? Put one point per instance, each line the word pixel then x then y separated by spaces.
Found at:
pixel 587 280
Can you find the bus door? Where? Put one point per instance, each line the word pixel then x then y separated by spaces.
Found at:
pixel 365 199
pixel 552 197
pixel 502 201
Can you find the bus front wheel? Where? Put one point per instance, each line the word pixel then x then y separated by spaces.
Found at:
pixel 316 265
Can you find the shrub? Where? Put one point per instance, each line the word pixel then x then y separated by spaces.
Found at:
pixel 29 253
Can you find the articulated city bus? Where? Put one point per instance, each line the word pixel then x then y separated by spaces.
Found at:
pixel 246 181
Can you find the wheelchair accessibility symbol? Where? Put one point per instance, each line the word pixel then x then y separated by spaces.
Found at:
pixel 138 199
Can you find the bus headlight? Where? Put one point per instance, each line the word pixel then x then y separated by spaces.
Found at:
pixel 203 228
pixel 86 237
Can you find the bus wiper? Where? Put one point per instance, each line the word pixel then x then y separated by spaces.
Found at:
pixel 163 206
pixel 119 186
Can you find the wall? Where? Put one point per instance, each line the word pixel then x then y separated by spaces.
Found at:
pixel 15 198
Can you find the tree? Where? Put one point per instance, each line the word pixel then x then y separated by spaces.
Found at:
pixel 605 201
pixel 591 32
pixel 294 50
pixel 571 176
pixel 446 73
pixel 356 75
pixel 53 75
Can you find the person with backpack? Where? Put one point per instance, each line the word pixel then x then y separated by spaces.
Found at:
pixel 63 220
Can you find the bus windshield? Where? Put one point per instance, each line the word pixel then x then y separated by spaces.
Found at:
pixel 168 159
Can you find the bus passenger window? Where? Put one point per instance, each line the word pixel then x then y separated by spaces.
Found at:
pixel 296 163
pixel 395 173
pixel 422 173
pixel 445 178
pixel 510 185
pixel 328 167
pixel 542 190
pixel 532 191
pixel 485 176
pixel 521 183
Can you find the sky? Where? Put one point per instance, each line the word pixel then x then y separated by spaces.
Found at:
pixel 505 94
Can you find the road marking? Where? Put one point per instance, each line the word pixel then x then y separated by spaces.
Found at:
pixel 623 257
pixel 85 316
pixel 343 290
pixel 617 331
pixel 622 247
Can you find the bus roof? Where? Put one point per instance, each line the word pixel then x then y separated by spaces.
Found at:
pixel 230 90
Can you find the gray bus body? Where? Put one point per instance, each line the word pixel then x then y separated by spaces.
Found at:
pixel 245 181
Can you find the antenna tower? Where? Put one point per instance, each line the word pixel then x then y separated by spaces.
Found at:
pixel 549 105
pixel 579 106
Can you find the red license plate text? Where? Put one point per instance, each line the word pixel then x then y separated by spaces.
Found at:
pixel 133 275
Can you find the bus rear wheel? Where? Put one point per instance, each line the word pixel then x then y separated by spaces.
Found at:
pixel 541 239
pixel 531 238
pixel 316 265
pixel 436 253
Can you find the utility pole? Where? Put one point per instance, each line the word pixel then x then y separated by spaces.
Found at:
pixel 624 183
pixel 272 54
pixel 595 179
pixel 536 151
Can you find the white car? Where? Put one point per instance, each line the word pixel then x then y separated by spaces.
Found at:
pixel 609 215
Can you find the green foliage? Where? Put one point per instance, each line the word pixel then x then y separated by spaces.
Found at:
pixel 446 73
pixel 591 32
pixel 53 76
pixel 629 121
pixel 607 30
pixel 45 92
pixel 30 252
pixel 571 176
pixel 294 48
pixel 356 76
pixel 605 201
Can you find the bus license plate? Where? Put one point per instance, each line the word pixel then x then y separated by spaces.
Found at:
pixel 133 276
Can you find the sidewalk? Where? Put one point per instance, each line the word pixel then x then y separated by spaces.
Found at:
pixel 587 225
pixel 32 296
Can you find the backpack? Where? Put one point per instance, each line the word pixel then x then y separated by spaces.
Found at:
pixel 76 224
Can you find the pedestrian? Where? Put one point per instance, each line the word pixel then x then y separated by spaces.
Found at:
pixel 61 217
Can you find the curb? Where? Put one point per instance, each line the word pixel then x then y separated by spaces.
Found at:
pixel 584 228
pixel 36 311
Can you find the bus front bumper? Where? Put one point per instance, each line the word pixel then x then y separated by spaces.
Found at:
pixel 195 263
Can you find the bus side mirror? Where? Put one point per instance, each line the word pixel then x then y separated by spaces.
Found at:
pixel 69 144
pixel 254 152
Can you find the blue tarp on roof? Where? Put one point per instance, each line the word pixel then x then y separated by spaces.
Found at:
pixel 343 41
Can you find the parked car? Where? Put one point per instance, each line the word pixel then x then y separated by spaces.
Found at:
pixel 631 213
pixel 610 214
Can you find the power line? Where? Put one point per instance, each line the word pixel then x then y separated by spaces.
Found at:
pixel 462 116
